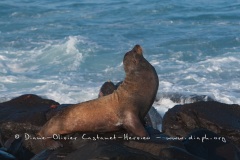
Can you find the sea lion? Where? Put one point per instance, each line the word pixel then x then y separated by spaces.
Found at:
pixel 106 89
pixel 125 108
pixel 152 119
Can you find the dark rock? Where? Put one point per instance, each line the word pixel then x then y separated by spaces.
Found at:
pixel 219 118
pixel 1 140
pixel 19 151
pixel 26 108
pixel 6 156
pixel 10 129
pixel 27 113
pixel 15 150
pixel 153 147
pixel 155 144
pixel 150 147
pixel 155 118
pixel 104 150
pixel 90 147
pixel 15 146
pixel 23 114
pixel 209 145
pixel 55 110
pixel 175 153
pixel 43 155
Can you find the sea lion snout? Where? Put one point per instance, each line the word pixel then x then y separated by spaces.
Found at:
pixel 138 49
pixel 132 59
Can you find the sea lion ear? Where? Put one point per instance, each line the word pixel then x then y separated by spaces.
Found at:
pixel 138 49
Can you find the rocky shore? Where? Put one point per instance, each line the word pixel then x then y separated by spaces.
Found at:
pixel 203 130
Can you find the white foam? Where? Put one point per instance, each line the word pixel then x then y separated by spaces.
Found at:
pixel 217 76
pixel 16 68
pixel 71 45
pixel 9 79
pixel 57 69
pixel 71 49
pixel 3 57
pixel 48 70
pixel 14 14
pixel 114 68
pixel 163 105
pixel 154 62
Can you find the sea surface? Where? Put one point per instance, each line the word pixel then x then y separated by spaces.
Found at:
pixel 65 50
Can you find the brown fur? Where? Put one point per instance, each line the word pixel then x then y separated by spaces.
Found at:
pixel 125 108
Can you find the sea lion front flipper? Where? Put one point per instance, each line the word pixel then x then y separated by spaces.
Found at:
pixel 133 125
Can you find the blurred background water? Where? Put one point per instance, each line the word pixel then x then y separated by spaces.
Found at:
pixel 65 50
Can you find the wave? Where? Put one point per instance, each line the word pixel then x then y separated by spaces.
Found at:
pixel 49 69
pixel 167 100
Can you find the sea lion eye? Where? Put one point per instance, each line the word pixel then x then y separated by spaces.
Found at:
pixel 135 58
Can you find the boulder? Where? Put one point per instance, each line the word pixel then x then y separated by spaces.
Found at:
pixel 175 153
pixel 97 150
pixel 154 118
pixel 209 145
pixel 106 150
pixel 222 119
pixel 4 155
pixel 158 147
pixel 25 113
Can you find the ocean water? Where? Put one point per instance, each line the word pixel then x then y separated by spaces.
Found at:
pixel 65 50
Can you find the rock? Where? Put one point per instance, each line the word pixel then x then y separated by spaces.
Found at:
pixel 155 118
pixel 175 153
pixel 90 147
pixel 209 145
pixel 219 118
pixel 25 113
pixel 43 155
pixel 6 156
pixel 153 147
pixel 19 151
pixel 15 150
pixel 1 140
pixel 55 110
pixel 83 146
pixel 114 150
pixel 106 150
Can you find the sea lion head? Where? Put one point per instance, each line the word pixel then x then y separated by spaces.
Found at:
pixel 132 59
pixel 107 88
